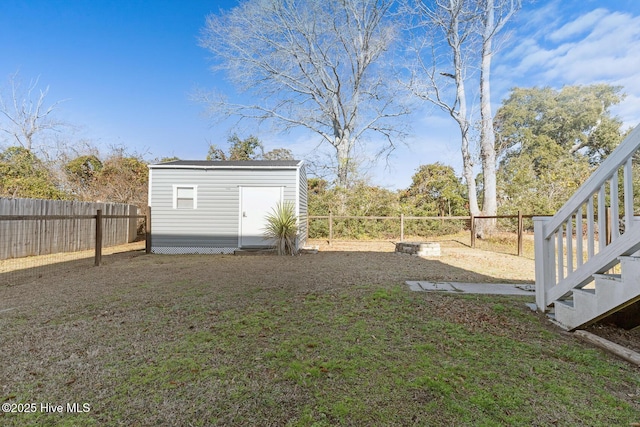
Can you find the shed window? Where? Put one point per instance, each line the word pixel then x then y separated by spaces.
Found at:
pixel 185 196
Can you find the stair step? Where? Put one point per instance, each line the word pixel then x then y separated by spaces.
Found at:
pixel 630 267
pixel 585 300
pixel 630 258
pixel 616 278
pixel 607 294
pixel 611 293
pixel 567 303
pixel 565 311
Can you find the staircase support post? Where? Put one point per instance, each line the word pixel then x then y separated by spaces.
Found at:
pixel 544 263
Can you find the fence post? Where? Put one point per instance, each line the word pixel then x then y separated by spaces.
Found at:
pixel 473 231
pixel 330 227
pixel 98 252
pixel 520 229
pixel 402 227
pixel 147 231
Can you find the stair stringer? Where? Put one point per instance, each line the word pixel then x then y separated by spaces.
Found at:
pixel 611 294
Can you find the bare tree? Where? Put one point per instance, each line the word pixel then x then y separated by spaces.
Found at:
pixel 494 14
pixel 461 34
pixel 442 33
pixel 312 64
pixel 26 114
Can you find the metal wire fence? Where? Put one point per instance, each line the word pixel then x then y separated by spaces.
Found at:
pixel 35 246
pixel 334 227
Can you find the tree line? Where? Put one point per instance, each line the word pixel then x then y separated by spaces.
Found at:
pixel 352 72
pixel 548 142
pixel 116 177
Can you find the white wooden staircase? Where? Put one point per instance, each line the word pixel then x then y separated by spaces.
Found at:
pixel 612 292
pixel 576 251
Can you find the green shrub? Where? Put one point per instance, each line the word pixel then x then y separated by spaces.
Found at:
pixel 282 228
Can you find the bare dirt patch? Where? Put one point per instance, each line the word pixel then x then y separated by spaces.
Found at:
pixel 337 265
pixel 628 339
pixel 458 262
pixel 42 261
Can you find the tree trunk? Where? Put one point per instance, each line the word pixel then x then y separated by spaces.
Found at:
pixel 469 176
pixel 343 158
pixel 487 135
pixel 460 116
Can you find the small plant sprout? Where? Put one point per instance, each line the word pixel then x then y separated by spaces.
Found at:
pixel 282 228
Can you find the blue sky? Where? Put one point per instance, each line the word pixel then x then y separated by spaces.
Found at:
pixel 126 69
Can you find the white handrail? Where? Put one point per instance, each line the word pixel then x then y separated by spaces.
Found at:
pixel 555 251
pixel 616 159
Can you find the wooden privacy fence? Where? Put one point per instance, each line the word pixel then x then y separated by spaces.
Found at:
pixel 91 231
pixel 30 227
pixel 472 221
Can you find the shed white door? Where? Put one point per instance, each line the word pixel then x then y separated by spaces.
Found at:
pixel 255 204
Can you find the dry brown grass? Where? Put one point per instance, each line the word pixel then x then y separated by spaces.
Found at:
pixel 9 265
pixel 240 340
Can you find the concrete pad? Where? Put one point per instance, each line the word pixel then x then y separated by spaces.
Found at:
pixel 472 288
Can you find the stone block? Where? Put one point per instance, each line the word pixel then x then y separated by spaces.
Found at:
pixel 427 249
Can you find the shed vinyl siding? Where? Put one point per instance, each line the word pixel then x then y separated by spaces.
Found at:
pixel 215 221
pixel 303 188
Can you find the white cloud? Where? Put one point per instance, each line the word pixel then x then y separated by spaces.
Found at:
pixel 540 19
pixel 609 54
pixel 581 25
pixel 628 112
pixel 598 46
pixel 556 43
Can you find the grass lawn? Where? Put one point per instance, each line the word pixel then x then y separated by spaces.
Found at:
pixel 260 340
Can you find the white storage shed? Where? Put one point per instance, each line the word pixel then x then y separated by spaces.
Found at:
pixel 209 207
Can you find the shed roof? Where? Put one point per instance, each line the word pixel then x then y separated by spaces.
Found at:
pixel 229 164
